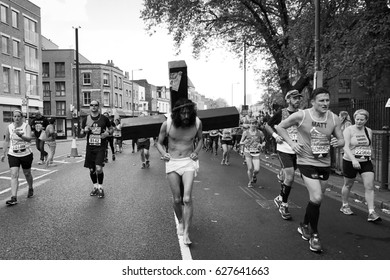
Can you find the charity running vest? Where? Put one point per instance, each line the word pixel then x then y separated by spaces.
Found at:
pixel 314 136
pixel 360 145
pixel 18 147
pixel 292 132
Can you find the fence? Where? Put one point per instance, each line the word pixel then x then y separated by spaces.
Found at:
pixel 381 164
pixel 379 114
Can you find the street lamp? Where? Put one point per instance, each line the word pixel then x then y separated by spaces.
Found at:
pixel 233 41
pixel 132 90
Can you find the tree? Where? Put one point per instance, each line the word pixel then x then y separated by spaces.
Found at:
pixel 282 31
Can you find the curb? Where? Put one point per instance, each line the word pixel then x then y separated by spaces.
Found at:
pixel 378 203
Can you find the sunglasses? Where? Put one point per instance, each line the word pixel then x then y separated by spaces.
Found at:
pixel 94 105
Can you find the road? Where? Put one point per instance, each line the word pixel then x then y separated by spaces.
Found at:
pixel 135 220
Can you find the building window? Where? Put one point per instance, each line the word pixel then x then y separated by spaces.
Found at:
pixel 7 117
pixel 45 70
pixel 30 31
pixel 116 81
pixel 116 100
pixel 15 49
pixel 46 89
pixel 120 100
pixel 5 45
pixel 60 108
pixel 106 99
pixel 46 108
pixel 4 13
pixel 344 86
pixel 31 58
pixel 60 69
pixel 15 19
pixel 86 98
pixel 6 80
pixel 120 83
pixel 60 88
pixel 106 78
pixel 17 81
pixel 32 84
pixel 86 78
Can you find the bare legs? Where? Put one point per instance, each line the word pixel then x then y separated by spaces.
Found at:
pixel 183 212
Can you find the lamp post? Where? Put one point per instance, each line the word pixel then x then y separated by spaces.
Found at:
pixel 77 132
pixel 132 90
pixel 233 41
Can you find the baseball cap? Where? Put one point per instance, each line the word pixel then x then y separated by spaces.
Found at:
pixel 292 93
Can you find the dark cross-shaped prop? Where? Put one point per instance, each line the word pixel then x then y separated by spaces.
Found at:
pixel 149 126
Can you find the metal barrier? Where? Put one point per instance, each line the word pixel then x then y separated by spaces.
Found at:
pixel 380 157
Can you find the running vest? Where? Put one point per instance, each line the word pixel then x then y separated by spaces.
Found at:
pixel 227 134
pixel 314 136
pixel 360 144
pixel 292 132
pixel 18 147
pixel 253 142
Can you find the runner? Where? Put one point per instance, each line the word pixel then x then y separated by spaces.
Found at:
pixel 17 147
pixel 357 159
pixel 315 128
pixel 227 144
pixel 38 126
pixel 214 138
pixel 287 156
pixel 97 128
pixel 51 142
pixel 117 134
pixel 143 145
pixel 253 142
pixel 181 159
pixel 109 140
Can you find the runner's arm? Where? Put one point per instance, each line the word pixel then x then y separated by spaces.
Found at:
pixel 294 119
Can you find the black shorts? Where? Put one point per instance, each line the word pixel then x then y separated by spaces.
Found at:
pixel 93 158
pixel 315 172
pixel 287 160
pixel 25 161
pixel 227 142
pixel 143 145
pixel 350 172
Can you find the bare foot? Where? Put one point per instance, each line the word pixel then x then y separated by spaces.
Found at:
pixel 180 229
pixel 186 240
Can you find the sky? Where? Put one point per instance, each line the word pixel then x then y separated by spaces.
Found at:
pixel 113 30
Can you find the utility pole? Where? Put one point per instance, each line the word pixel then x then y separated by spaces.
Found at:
pixel 77 81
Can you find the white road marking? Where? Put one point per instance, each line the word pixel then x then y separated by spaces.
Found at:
pixel 184 249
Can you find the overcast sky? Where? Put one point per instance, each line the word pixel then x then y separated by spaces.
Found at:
pixel 113 30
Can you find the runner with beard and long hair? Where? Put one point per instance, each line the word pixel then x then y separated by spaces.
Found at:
pixel 181 128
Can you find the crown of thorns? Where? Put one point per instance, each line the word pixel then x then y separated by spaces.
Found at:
pixel 184 105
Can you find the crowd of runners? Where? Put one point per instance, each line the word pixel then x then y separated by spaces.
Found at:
pixel 302 139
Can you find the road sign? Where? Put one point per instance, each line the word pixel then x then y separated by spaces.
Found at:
pixel 388 103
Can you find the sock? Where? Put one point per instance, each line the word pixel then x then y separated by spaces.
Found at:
pixel 95 186
pixel 285 192
pixel 100 178
pixel 313 213
pixel 370 211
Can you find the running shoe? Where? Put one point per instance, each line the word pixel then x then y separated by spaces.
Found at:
pixel 100 193
pixel 41 162
pixel 283 210
pixel 372 217
pixel 250 185
pixel 304 231
pixel 345 209
pixel 227 163
pixel 315 243
pixel 94 192
pixel 222 162
pixel 30 192
pixel 143 165
pixel 278 201
pixel 254 179
pixel 12 201
pixel 113 157
pixel 147 164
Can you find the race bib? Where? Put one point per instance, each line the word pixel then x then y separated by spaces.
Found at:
pixel 253 150
pixel 363 152
pixel 18 147
pixel 319 143
pixel 293 137
pixel 95 140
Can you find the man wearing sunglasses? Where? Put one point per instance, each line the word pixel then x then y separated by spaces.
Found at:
pixel 97 128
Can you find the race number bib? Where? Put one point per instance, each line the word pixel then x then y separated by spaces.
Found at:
pixel 319 143
pixel 363 152
pixel 254 150
pixel 95 140
pixel 293 137
pixel 17 146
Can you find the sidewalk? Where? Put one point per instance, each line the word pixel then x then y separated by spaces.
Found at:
pixel 335 183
